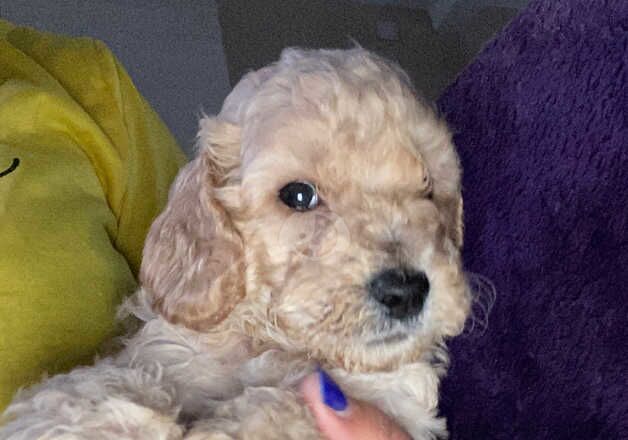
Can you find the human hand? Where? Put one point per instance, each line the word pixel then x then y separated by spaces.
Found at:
pixel 341 418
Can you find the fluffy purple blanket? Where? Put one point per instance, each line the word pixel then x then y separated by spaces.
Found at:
pixel 541 118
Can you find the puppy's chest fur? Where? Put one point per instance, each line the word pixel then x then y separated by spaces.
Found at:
pixel 228 388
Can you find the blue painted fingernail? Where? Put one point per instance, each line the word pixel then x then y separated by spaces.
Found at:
pixel 331 392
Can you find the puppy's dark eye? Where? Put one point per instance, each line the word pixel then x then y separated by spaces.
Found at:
pixel 300 196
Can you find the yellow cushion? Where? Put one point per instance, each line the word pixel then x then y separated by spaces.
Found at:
pixel 85 165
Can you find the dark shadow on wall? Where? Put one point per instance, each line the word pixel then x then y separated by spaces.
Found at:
pixel 255 31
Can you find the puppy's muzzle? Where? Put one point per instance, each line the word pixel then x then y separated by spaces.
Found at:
pixel 401 291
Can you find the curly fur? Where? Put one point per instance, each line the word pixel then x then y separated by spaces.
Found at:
pixel 242 297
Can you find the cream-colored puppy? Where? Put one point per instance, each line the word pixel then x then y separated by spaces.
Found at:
pixel 319 224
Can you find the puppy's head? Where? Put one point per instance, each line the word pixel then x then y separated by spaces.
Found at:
pixel 323 213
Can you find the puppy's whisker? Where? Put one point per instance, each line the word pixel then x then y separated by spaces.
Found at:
pixel 483 296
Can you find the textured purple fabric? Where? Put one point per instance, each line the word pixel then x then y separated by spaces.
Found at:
pixel 541 122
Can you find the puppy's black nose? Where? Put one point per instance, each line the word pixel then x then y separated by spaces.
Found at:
pixel 401 291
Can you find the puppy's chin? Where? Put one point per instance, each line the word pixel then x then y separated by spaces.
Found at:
pixel 379 351
pixel 385 354
pixel 358 339
pixel 391 339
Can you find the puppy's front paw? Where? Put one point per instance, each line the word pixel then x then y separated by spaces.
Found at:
pixel 260 413
pixel 81 419
pixel 201 434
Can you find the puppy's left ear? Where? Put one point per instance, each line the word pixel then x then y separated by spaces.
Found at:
pixel 192 267
pixel 445 170
pixel 457 228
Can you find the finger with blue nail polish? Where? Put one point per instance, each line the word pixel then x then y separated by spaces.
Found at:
pixel 331 393
pixel 339 417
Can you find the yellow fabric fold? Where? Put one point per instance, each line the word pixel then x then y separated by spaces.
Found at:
pixel 94 164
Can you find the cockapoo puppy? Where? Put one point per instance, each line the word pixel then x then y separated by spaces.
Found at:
pixel 319 225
